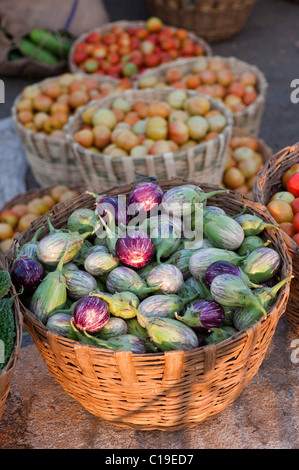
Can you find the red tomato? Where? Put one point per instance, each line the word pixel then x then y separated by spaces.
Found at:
pixel 296 222
pixel 293 184
pixel 296 238
pixel 295 205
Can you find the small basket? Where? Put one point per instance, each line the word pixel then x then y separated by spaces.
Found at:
pixel 269 182
pixel 163 391
pixel 250 118
pixel 7 373
pixel 204 162
pixel 51 159
pixel 214 21
pixel 125 25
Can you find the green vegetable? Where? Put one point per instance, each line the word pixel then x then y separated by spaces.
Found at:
pixel 30 49
pixel 7 328
pixel 5 283
pixel 54 43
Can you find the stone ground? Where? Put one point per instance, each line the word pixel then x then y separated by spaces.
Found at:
pixel 40 415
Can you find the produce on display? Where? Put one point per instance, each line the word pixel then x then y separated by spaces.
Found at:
pixel 46 106
pixel 211 77
pixel 126 51
pixel 137 129
pixel 146 300
pixel 284 204
pixel 18 217
pixel 7 322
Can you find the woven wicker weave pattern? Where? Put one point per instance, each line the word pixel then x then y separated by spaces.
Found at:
pixel 165 391
pixel 213 20
pixel 269 182
pixel 250 118
pixel 204 162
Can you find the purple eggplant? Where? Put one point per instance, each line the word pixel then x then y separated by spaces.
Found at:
pixel 27 273
pixel 203 315
pixel 115 205
pixel 135 249
pixel 91 314
pixel 144 197
pixel 220 267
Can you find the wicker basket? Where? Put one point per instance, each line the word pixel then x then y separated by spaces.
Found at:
pixel 248 119
pixel 164 391
pixel 204 162
pixel 7 373
pixel 126 24
pixel 214 21
pixel 269 182
pixel 51 159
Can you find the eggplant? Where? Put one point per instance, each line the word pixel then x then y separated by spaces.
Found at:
pixel 163 306
pixel 90 314
pixel 51 293
pixel 167 277
pixel 210 211
pixel 134 328
pixel 135 249
pixel 251 243
pixel 123 279
pixel 220 334
pixel 50 248
pixel 26 274
pixel 243 317
pixel 115 206
pixel 169 334
pixel 29 248
pixel 114 327
pixel 252 224
pixel 144 198
pixel 222 267
pixel 224 232
pixel 100 262
pixel 82 220
pixel 180 259
pixel 166 240
pixel 230 291
pixel 203 315
pixel 261 264
pixel 60 323
pixel 79 283
pixel 120 304
pixel 202 259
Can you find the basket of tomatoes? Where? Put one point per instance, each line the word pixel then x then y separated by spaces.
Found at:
pixel 277 188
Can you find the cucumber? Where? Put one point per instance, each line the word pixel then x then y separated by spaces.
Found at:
pixel 52 42
pixel 40 55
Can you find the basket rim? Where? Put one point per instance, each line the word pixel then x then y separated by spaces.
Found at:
pixel 286 151
pixel 281 297
pixel 262 81
pixel 137 23
pixel 39 135
pixel 77 116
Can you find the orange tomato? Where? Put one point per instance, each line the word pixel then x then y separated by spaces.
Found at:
pixel 296 238
pixel 294 169
pixel 288 228
pixel 295 205
pixel 281 211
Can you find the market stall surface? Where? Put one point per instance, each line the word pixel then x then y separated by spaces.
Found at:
pixel 40 415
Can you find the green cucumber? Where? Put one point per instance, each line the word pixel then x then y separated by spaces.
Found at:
pixel 40 55
pixel 52 42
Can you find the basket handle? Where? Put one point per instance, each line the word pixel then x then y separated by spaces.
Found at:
pixel 279 156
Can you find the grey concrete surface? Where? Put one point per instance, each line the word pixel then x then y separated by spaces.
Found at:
pixel 40 415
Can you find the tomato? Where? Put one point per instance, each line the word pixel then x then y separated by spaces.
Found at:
pixel 296 222
pixel 293 184
pixel 296 238
pixel 294 169
pixel 281 211
pixel 284 195
pixel 295 205
pixel 288 228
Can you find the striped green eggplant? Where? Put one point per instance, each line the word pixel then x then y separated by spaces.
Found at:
pixel 261 264
pixel 114 327
pixel 134 328
pixel 252 224
pixel 123 279
pixel 29 248
pixel 220 334
pixel 202 259
pixel 224 232
pixel 251 243
pixel 82 220
pixel 100 262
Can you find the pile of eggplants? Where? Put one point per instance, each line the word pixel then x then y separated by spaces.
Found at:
pixel 129 276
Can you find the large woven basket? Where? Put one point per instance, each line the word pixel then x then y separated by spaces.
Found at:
pixel 214 21
pixel 7 373
pixel 51 159
pixel 125 25
pixel 268 183
pixel 248 119
pixel 164 391
pixel 204 162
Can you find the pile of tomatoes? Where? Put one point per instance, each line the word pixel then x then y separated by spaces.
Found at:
pixel 284 205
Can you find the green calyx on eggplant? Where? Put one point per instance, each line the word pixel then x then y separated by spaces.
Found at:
pixel 120 304
pixel 124 279
pixel 253 225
